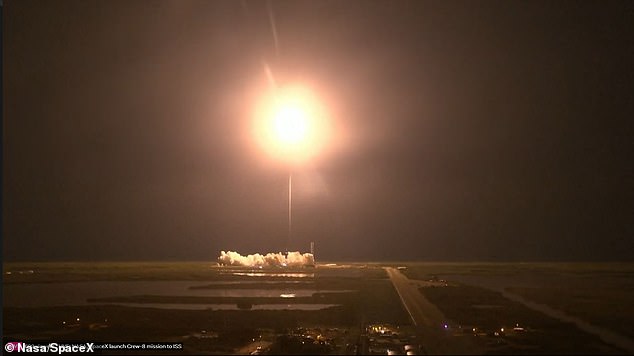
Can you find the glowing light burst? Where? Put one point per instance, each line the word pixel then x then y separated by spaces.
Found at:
pixel 290 124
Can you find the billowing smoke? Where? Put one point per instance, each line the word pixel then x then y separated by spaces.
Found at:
pixel 292 259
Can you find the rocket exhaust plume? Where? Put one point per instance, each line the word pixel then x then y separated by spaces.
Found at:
pixel 292 259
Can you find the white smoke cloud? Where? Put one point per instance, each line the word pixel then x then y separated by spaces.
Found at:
pixel 292 259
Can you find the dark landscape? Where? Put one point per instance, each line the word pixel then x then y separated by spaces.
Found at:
pixel 352 301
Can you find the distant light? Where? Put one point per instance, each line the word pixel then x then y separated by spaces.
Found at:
pixel 502 329
pixel 446 326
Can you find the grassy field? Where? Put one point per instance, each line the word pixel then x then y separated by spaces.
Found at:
pixel 472 307
pixel 43 272
pixel 110 271
pixel 423 270
pixel 597 293
pixel 603 305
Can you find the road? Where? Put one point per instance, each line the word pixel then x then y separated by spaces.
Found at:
pixel 250 348
pixel 429 320
pixel 421 311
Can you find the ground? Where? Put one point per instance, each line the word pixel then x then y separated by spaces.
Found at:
pixel 354 308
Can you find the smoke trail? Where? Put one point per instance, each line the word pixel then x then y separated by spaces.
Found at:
pixel 273 28
pixel 292 259
pixel 269 75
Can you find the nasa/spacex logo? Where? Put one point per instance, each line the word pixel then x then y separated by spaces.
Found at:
pixel 13 346
pixel 52 347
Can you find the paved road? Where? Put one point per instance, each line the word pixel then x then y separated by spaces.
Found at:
pixel 248 349
pixel 429 319
pixel 421 311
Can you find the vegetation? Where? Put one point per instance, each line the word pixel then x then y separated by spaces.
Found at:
pixel 489 312
pixel 597 293
pixel 607 306
pixel 362 293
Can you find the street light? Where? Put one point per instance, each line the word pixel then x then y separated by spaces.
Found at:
pixel 291 125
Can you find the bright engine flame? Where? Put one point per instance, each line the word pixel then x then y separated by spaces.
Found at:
pixel 290 124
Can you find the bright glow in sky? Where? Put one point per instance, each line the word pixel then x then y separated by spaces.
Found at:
pixel 290 123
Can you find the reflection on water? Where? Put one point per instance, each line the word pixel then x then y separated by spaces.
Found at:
pixel 77 293
pixel 250 282
pixel 263 274
pixel 227 306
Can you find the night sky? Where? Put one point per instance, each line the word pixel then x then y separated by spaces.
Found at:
pixel 467 131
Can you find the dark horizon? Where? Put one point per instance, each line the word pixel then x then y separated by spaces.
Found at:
pixel 469 131
pixel 213 260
